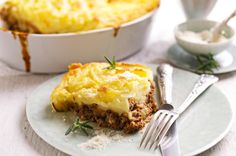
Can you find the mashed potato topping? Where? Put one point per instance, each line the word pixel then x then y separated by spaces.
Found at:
pixel 110 89
pixel 63 16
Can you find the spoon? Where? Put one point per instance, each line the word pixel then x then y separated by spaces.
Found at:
pixel 216 30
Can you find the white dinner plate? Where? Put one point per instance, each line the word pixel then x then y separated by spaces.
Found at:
pixel 203 125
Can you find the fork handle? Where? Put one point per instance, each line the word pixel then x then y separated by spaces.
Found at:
pixel 164 81
pixel 201 85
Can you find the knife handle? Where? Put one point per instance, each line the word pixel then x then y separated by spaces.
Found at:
pixel 164 81
pixel 201 85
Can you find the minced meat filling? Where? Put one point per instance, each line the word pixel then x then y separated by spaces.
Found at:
pixel 140 114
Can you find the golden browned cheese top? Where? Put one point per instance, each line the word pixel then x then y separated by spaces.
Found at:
pixel 109 88
pixel 63 16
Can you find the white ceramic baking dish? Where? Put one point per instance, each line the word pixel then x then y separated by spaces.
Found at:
pixel 52 53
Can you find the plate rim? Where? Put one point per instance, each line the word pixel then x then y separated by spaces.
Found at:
pixel 66 151
pixel 173 62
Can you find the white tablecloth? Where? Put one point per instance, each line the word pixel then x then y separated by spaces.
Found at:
pixel 17 137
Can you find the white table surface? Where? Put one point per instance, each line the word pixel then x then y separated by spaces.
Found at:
pixel 18 139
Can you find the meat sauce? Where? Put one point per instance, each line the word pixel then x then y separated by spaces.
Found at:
pixel 23 39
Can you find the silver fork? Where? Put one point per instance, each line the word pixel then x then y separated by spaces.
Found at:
pixel 164 79
pixel 166 116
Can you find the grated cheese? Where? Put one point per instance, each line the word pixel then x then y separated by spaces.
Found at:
pixel 98 142
pixel 101 138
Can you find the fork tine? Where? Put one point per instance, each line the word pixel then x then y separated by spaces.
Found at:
pixel 148 128
pixel 154 125
pixel 159 129
pixel 165 130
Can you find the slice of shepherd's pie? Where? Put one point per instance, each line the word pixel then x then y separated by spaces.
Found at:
pixel 120 97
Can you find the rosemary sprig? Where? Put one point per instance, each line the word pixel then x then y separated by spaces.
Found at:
pixel 81 126
pixel 207 63
pixel 112 62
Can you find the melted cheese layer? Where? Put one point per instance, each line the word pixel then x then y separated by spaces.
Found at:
pixel 62 16
pixel 109 88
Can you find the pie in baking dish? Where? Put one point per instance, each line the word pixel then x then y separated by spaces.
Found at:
pixel 64 16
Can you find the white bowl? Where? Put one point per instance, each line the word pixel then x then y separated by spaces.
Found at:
pixel 52 53
pixel 202 48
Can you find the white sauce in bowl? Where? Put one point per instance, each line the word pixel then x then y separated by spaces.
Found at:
pixel 203 37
